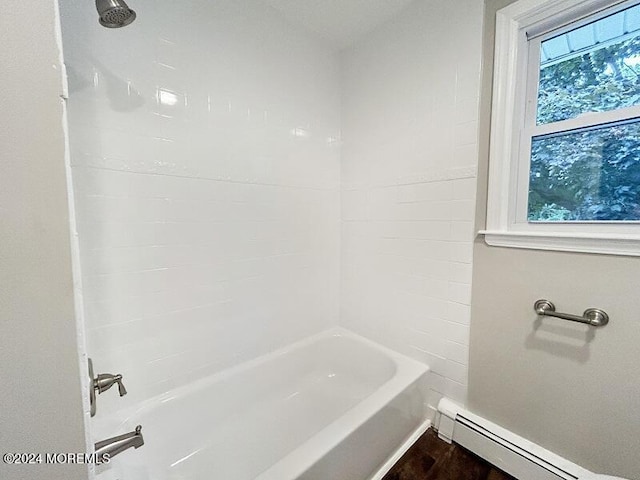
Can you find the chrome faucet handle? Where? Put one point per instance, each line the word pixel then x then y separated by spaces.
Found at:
pixel 105 381
pixel 102 383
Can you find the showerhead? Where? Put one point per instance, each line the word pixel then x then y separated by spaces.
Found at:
pixel 114 13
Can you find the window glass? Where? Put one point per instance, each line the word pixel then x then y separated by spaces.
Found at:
pixel 591 174
pixel 593 68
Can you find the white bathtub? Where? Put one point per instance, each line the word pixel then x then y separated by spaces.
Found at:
pixel 331 407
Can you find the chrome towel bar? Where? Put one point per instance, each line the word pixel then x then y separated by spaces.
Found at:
pixel 591 316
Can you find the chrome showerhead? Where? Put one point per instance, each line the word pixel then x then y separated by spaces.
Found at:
pixel 114 13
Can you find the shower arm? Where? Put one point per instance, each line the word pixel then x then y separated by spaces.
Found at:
pixel 591 316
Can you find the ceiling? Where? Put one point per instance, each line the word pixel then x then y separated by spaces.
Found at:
pixel 341 22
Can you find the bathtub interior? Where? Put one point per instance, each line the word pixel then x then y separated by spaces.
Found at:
pixel 242 422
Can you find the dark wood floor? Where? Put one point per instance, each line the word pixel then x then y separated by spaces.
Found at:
pixel 433 459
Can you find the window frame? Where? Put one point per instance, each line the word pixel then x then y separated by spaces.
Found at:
pixel 520 28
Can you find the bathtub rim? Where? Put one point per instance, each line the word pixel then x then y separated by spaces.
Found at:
pixel 411 367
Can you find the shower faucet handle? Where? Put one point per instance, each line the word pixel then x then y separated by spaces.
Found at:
pixel 102 383
pixel 105 381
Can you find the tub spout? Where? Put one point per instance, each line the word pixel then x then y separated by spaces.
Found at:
pixel 111 447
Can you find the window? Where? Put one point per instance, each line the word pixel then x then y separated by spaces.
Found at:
pixel 565 147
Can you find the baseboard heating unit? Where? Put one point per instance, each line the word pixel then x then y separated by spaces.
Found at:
pixel 504 449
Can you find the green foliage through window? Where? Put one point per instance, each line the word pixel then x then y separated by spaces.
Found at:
pixel 587 175
pixel 602 80
pixel 591 174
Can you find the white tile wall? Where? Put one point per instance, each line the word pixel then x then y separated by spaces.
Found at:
pixel 205 152
pixel 207 161
pixel 410 112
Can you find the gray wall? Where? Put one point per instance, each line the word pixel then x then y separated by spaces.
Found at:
pixel 40 400
pixel 572 389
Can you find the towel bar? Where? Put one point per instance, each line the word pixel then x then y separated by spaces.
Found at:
pixel 591 316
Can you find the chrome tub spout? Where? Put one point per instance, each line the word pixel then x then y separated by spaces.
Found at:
pixel 111 447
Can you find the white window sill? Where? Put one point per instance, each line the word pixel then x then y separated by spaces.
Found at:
pixel 566 242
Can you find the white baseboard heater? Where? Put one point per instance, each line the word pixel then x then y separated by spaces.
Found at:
pixel 509 452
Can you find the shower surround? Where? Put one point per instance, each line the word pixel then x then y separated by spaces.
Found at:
pixel 410 94
pixel 241 185
pixel 205 161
